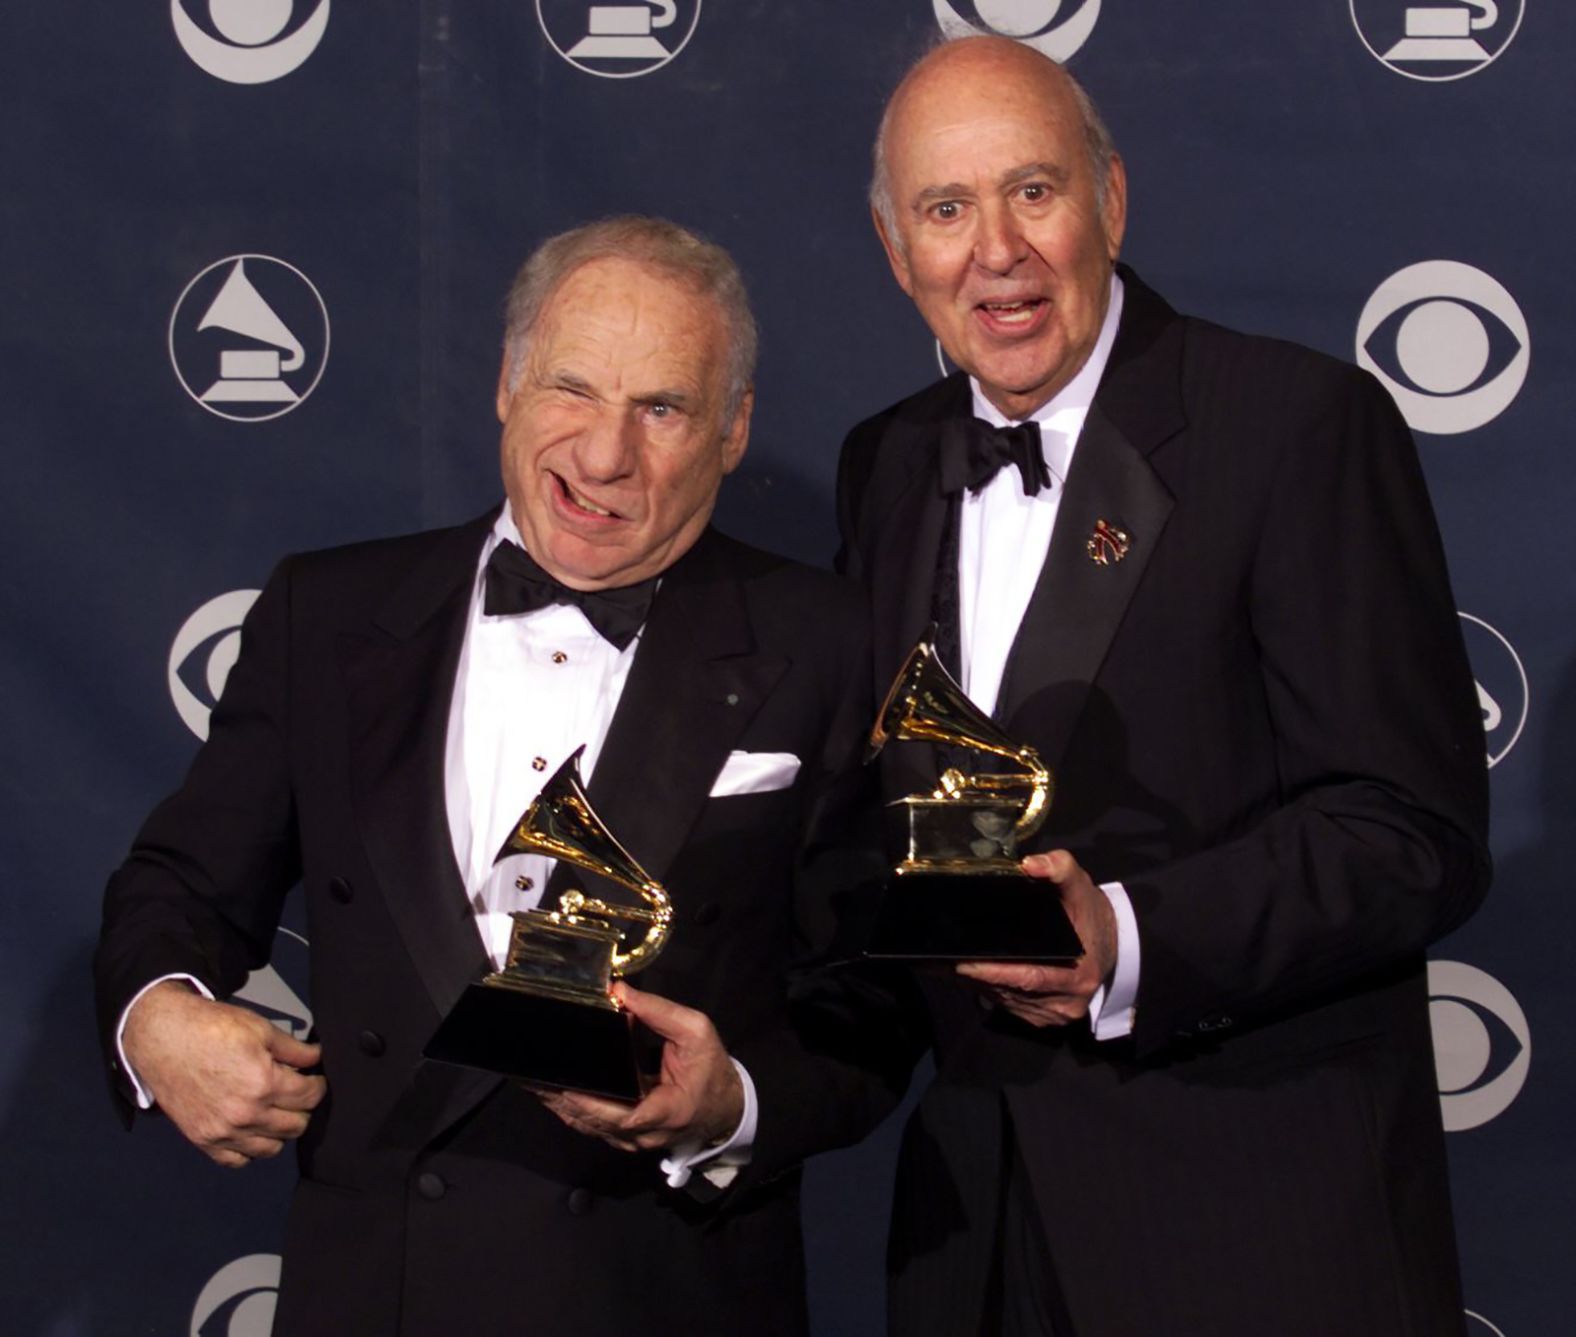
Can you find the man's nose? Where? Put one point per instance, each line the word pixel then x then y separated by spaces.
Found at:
pixel 607 451
pixel 999 242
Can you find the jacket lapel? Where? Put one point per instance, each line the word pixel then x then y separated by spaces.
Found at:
pixel 905 550
pixel 696 682
pixel 1079 602
pixel 399 680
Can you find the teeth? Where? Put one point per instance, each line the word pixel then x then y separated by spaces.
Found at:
pixel 585 504
pixel 1012 313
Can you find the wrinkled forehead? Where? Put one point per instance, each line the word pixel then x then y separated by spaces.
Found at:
pixel 630 320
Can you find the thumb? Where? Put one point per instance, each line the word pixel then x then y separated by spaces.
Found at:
pixel 286 1049
pixel 1057 866
pixel 670 1020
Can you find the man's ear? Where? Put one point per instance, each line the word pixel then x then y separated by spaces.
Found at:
pixel 894 255
pixel 505 393
pixel 738 436
pixel 1113 218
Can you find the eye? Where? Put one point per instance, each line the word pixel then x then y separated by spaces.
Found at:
pixel 1035 192
pixel 947 211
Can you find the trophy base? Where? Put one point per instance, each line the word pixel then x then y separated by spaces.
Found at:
pixel 545 1041
pixel 1006 916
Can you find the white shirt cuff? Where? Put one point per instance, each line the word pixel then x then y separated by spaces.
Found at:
pixel 719 1164
pixel 1111 1008
pixel 144 1100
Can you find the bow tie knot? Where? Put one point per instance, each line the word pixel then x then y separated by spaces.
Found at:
pixel 516 583
pixel 973 452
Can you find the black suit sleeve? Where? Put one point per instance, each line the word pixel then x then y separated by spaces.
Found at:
pixel 1375 844
pixel 200 892
pixel 844 1061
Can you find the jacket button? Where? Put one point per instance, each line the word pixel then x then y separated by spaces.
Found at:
pixel 431 1186
pixel 340 890
pixel 579 1201
pixel 372 1044
pixel 709 913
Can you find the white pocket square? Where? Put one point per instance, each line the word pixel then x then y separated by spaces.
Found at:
pixel 755 773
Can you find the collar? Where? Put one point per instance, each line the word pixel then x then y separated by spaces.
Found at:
pixel 1064 413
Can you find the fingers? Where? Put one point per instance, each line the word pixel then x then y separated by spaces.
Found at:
pixel 288 1050
pixel 294 1090
pixel 1022 976
pixel 1038 994
pixel 670 1020
pixel 242 1151
pixel 591 1116
pixel 1056 866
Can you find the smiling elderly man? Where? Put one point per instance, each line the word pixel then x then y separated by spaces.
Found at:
pixel 395 707
pixel 1210 592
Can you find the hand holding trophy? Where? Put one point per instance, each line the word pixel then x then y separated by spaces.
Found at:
pixel 549 1017
pixel 959 893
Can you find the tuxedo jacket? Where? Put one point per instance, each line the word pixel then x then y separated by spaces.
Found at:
pixel 1261 722
pixel 436 1200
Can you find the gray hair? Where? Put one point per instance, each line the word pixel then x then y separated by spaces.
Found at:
pixel 672 250
pixel 1098 145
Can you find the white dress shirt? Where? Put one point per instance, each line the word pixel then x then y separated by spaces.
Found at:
pixel 531 688
pixel 1003 538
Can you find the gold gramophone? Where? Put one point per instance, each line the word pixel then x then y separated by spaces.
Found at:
pixel 957 892
pixel 549 1017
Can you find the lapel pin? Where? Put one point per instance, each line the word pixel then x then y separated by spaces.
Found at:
pixel 1107 544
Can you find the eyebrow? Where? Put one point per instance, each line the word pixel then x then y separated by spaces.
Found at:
pixel 680 399
pixel 1058 174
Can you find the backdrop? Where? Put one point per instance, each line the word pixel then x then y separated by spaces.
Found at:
pixel 253 255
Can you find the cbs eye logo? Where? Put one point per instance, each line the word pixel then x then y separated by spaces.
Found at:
pixel 248 41
pixel 1449 343
pixel 1482 1044
pixel 1057 28
pixel 202 655
pixel 239 1299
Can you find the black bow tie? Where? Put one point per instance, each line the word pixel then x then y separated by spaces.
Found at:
pixel 973 452
pixel 516 584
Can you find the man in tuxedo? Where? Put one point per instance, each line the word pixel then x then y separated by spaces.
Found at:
pixel 1199 572
pixel 395 707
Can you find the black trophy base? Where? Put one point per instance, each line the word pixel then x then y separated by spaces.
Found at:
pixel 544 1041
pixel 972 917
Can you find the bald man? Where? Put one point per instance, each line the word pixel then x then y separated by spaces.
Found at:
pixel 1199 572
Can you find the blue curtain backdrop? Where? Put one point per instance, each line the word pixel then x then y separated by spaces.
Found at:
pixel 253 255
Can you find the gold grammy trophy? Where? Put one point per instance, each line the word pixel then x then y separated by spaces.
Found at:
pixel 549 1017
pixel 958 893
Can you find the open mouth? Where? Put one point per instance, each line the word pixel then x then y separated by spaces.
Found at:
pixel 578 502
pixel 1012 315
